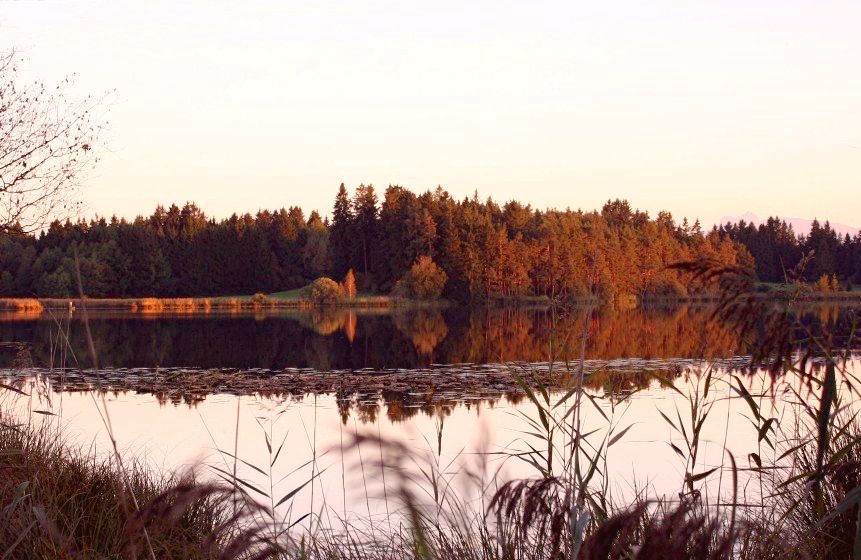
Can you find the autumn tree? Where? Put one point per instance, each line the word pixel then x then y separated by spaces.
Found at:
pixel 349 285
pixel 424 280
pixel 325 291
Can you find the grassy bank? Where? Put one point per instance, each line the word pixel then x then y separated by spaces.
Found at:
pixel 766 292
pixel 775 295
pixel 296 299
pixel 63 502
pixel 282 300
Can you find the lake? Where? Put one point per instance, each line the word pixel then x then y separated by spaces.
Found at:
pixel 435 392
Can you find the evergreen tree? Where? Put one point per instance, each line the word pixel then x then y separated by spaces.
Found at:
pixel 365 216
pixel 341 233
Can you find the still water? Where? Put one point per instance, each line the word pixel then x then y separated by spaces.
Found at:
pixel 342 339
pixel 465 440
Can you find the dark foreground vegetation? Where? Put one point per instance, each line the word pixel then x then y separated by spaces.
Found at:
pixel 63 502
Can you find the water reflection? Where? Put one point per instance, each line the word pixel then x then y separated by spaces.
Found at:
pixel 338 339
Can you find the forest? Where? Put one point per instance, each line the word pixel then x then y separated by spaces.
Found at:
pixel 776 250
pixel 486 250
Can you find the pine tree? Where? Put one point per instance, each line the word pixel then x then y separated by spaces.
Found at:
pixel 365 220
pixel 341 233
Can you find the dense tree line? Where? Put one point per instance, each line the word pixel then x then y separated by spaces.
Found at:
pixel 484 249
pixel 778 250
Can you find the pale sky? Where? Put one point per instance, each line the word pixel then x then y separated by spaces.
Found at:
pixel 702 108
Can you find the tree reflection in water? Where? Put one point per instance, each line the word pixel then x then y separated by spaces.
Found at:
pixel 374 358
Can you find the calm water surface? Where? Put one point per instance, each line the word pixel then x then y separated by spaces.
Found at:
pixel 342 339
pixel 469 440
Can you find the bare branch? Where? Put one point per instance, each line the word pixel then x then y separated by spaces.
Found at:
pixel 47 141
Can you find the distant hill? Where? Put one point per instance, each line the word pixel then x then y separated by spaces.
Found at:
pixel 800 225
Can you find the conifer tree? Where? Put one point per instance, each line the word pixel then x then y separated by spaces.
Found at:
pixel 365 216
pixel 341 233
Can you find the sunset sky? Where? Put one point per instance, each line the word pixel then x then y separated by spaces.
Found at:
pixel 706 109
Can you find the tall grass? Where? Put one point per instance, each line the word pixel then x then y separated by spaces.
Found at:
pixel 59 501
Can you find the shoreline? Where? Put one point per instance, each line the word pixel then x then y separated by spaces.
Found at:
pixel 203 304
pixel 151 305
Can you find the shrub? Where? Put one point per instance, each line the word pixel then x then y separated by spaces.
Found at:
pixel 325 291
pixel 827 283
pixel 669 288
pixel 259 300
pixel 424 280
pixel 148 305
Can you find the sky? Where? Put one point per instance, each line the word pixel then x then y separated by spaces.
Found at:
pixel 705 109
